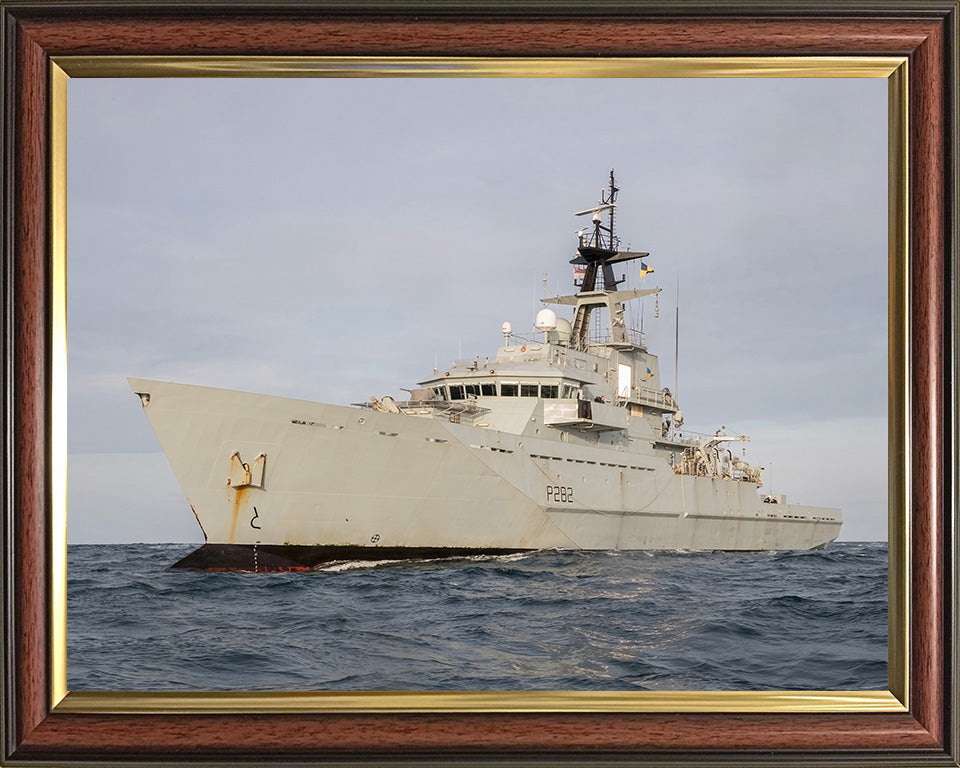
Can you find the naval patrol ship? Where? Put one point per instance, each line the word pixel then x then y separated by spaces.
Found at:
pixel 569 442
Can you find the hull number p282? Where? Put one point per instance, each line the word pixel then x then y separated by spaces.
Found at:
pixel 560 493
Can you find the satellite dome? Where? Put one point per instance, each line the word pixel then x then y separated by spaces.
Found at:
pixel 546 320
pixel 506 329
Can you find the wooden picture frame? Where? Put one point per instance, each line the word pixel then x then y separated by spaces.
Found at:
pixel 40 726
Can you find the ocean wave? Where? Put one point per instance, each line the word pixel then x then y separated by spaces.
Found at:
pixel 545 620
pixel 342 566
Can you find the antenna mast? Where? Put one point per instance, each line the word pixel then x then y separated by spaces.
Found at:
pixel 612 200
pixel 676 343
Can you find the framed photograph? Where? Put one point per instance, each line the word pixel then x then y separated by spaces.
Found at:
pixel 372 45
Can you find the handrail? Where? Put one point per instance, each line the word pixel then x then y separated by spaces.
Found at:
pixel 602 335
pixel 444 406
pixel 650 396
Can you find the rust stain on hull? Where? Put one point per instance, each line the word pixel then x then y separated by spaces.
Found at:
pixel 239 496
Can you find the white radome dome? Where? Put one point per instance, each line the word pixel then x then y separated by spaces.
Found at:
pixel 546 320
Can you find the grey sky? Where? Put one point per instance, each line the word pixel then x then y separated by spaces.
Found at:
pixel 330 239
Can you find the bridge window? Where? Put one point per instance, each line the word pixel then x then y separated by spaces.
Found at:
pixel 488 390
pixel 548 390
pixel 509 390
pixel 472 389
pixel 456 392
pixel 569 391
pixel 529 390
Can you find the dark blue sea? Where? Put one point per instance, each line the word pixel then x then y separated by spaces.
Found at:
pixel 541 621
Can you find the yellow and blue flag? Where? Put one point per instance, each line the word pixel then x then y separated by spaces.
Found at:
pixel 645 270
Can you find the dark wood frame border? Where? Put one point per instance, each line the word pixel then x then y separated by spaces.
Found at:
pixel 925 32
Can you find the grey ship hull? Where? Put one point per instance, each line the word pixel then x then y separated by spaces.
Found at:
pixel 282 484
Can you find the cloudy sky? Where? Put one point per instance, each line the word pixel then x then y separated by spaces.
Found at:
pixel 331 239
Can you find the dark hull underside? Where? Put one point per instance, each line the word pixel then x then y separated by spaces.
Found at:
pixel 293 557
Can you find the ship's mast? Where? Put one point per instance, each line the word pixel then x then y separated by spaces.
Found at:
pixel 597 250
pixel 598 253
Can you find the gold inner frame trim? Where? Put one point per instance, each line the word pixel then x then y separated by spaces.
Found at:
pixel 899 428
pixel 429 66
pixel 377 702
pixel 894 69
pixel 58 378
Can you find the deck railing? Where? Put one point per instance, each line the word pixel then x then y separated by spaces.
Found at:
pixel 648 396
